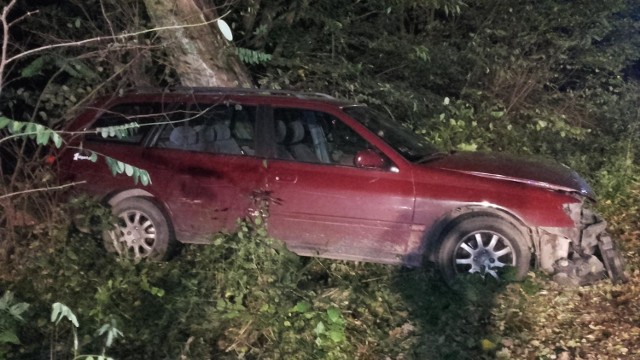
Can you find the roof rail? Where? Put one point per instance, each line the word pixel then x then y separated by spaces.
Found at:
pixel 229 90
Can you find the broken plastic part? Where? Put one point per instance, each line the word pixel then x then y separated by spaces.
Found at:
pixel 569 253
pixel 613 261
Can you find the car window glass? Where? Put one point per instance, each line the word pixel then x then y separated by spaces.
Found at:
pixel 212 128
pixel 317 137
pixel 343 142
pixel 405 141
pixel 129 123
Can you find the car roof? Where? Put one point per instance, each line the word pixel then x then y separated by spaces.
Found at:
pixel 266 96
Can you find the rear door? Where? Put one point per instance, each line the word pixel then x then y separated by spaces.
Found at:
pixel 207 163
pixel 322 204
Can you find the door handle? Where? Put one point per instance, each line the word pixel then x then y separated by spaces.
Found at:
pixel 285 178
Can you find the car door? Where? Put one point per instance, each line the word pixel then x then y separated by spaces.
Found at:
pixel 324 205
pixel 208 167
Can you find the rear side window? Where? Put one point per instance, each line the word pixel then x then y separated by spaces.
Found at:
pixel 212 128
pixel 128 123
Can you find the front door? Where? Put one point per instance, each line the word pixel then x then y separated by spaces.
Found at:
pixel 322 204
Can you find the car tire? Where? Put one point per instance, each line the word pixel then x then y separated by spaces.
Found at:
pixel 143 231
pixel 485 245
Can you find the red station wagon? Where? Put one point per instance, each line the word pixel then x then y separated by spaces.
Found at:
pixel 342 181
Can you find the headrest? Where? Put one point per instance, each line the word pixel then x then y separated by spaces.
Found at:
pixel 281 131
pixel 222 132
pixel 183 136
pixel 207 134
pixel 297 131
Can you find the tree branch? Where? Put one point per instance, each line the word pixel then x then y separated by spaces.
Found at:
pixel 48 188
pixel 100 38
pixel 5 39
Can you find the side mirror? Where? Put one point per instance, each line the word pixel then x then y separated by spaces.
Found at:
pixel 369 159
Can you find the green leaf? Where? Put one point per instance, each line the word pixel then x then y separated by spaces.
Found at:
pixel 86 71
pixel 34 67
pixel 29 130
pixel 337 335
pixel 64 65
pixel 57 140
pixel 320 328
pixel 93 157
pixel 136 175
pixel 119 166
pixel 301 307
pixel 111 163
pixel 55 312
pixel 497 114
pixel 61 311
pixel 42 138
pixel 17 310
pixel 144 178
pixel 334 314
pixel 16 126
pixel 4 121
pixel 9 337
pixel 128 169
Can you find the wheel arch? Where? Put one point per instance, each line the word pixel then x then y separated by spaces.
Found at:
pixel 117 196
pixel 434 237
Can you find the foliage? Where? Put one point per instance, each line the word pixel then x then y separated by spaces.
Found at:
pixel 478 78
pixel 245 296
pixel 43 135
pixel 60 311
pixel 249 56
pixel 10 317
pixel 473 75
pixel 34 131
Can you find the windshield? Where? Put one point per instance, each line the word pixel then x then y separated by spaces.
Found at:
pixel 403 140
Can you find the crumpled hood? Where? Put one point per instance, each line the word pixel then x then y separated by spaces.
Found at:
pixel 537 172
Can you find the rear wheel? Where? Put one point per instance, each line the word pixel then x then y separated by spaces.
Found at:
pixel 142 231
pixel 484 245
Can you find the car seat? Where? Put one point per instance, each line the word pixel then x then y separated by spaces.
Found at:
pixel 299 149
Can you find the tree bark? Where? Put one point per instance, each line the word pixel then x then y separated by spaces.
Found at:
pixel 200 54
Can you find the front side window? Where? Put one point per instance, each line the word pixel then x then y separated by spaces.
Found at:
pixel 315 137
pixel 403 140
pixel 212 128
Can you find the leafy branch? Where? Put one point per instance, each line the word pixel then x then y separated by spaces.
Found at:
pixel 44 135
pixel 60 311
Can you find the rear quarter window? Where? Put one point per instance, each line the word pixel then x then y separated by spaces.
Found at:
pixel 138 119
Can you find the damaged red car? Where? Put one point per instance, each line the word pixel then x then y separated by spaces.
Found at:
pixel 342 181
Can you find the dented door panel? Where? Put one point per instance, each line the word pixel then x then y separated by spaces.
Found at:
pixel 209 192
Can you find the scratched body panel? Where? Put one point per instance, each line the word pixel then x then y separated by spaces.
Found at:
pixel 340 210
pixel 209 192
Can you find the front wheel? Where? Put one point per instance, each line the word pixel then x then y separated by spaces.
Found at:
pixel 486 246
pixel 142 230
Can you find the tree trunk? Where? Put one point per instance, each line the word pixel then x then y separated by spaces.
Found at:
pixel 200 54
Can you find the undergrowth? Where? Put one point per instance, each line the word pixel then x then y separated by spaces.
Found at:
pixel 242 296
pixel 246 296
